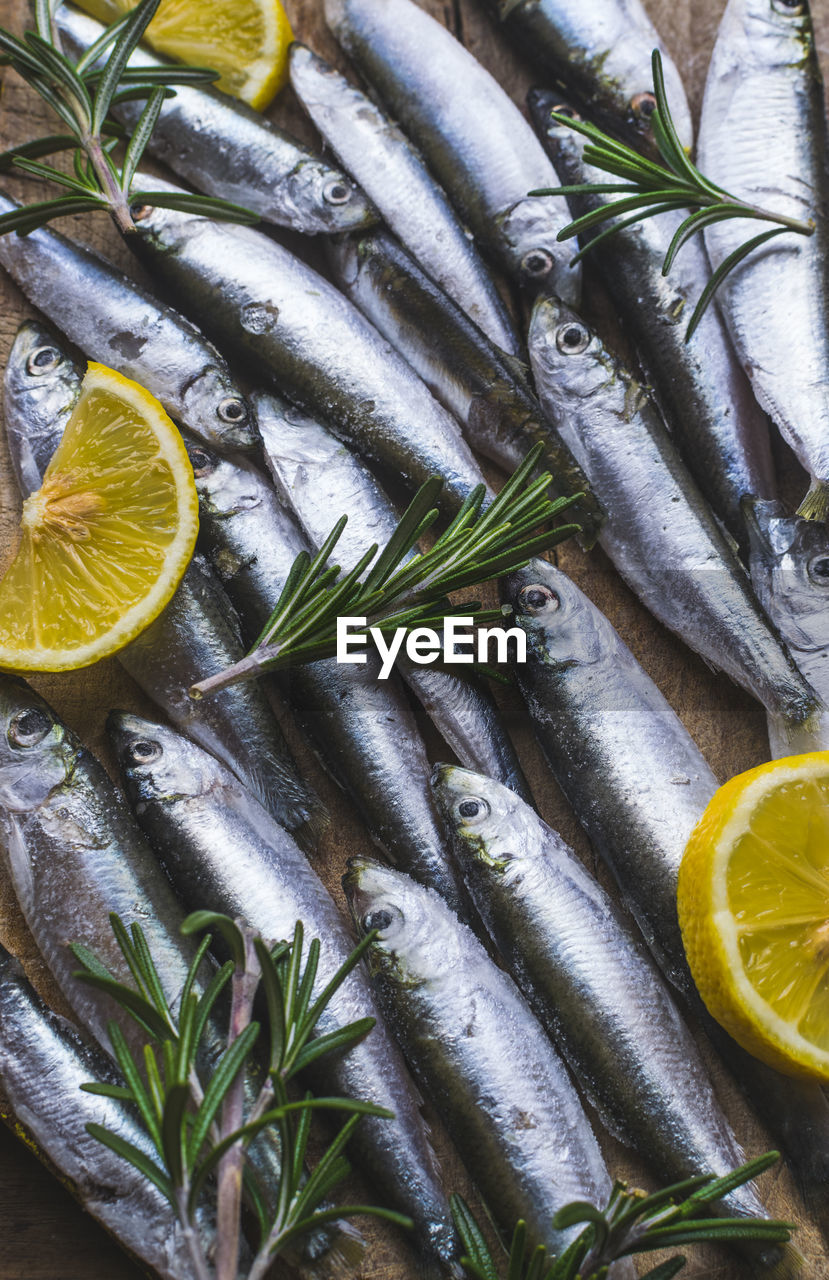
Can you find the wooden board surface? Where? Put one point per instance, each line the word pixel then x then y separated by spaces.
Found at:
pixel 43 1236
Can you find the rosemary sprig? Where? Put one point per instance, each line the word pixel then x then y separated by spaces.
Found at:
pixel 648 188
pixel 81 94
pixel 198 1129
pixel 399 589
pixel 631 1223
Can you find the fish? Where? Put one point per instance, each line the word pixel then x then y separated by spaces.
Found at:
pixel 601 53
pixel 41 386
pixel 659 533
pixel 412 204
pixel 592 984
pixel 472 135
pixel 315 475
pixel 195 635
pixel 700 385
pixel 227 149
pixel 362 728
pixel 762 136
pixel 488 394
pixel 789 565
pixel 44 1061
pixel 588 700
pixel 116 322
pixel 226 854
pixel 479 1053
pixel 304 338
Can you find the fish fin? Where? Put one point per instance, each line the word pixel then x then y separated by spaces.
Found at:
pixel 775 1261
pixel 344 1251
pixel 313 827
pixel 815 506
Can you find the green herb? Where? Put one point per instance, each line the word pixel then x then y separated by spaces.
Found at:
pixel 398 591
pixel 81 95
pixel 649 188
pixel 198 1129
pixel 632 1223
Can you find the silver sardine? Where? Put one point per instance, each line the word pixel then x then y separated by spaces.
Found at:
pixel 473 136
pixel 590 981
pixel 789 561
pixel 363 728
pixel 306 339
pixel 762 136
pixel 43 1063
pixel 116 322
pixel 601 53
pixel 374 150
pixel 41 386
pixel 487 393
pixel 225 853
pixel 316 477
pixel 707 400
pixel 478 1052
pixel 226 149
pixel 659 532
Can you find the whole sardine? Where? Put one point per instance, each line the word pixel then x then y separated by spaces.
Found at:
pixel 479 1053
pixel 707 400
pixel 374 150
pixel 43 1063
pixel 762 136
pixel 316 476
pixel 589 700
pixel 601 53
pixel 592 984
pixel 474 138
pixel 114 321
pixel 488 394
pixel 225 148
pixel 789 561
pixel 196 634
pixel 226 854
pixel 41 386
pixel 659 532
pixel 362 727
pixel 305 338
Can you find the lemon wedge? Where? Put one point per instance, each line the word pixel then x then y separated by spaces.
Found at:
pixel 753 906
pixel 246 40
pixel 107 537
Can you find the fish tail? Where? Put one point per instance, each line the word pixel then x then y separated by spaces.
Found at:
pixel 313 826
pixel 815 506
pixel 344 1247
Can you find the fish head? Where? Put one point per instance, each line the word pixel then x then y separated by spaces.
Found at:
pixel 569 360
pixel 157 764
pixel 563 628
pixel 225 416
pixel 411 945
pixel 37 751
pixel 226 486
pixel 326 200
pixel 291 436
pixel 543 263
pixel 560 140
pixel 487 820
pixel 789 561
pixel 778 33
pixel 40 375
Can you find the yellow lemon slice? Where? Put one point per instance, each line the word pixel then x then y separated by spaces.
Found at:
pixel 246 40
pixel 754 911
pixel 107 537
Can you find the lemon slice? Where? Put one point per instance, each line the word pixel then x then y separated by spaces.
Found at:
pixel 107 537
pixel 754 911
pixel 246 40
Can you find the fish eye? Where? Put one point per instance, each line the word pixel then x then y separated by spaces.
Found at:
pixel 232 409
pixel 336 191
pixel 564 109
pixel 201 461
pixel 29 727
pixel 144 751
pixel 537 263
pixel 536 598
pixel 475 807
pixel 789 8
pixel 572 339
pixel 818 570
pixel 138 212
pixel 43 360
pixel 643 105
pixel 380 919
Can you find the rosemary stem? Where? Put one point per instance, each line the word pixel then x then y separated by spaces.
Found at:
pixel 229 1200
pixel 201 1269
pixel 116 199
pixel 242 670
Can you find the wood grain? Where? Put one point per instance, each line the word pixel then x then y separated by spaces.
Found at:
pixel 43 1235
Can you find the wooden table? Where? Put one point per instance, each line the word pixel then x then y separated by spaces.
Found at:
pixel 43 1235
